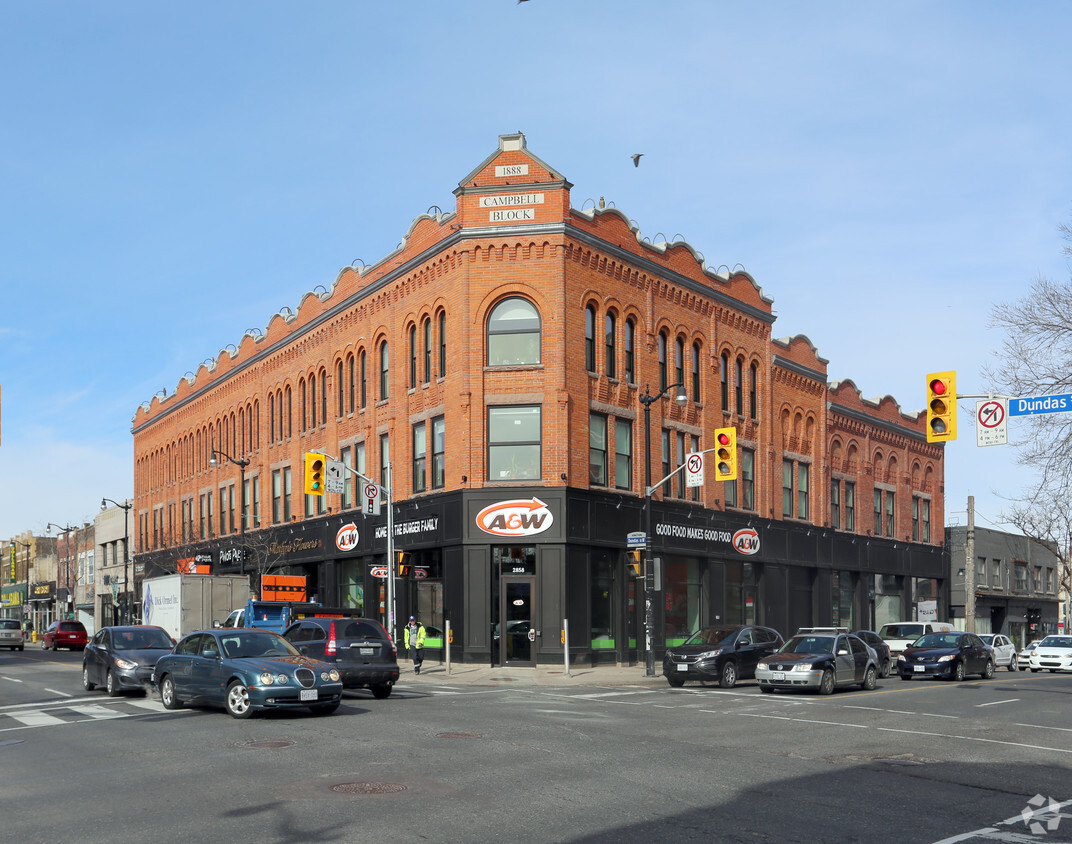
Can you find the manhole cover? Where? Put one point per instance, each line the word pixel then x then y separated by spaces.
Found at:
pixel 459 735
pixel 267 744
pixel 368 788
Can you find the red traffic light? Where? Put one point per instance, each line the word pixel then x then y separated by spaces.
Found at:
pixel 938 387
pixel 723 439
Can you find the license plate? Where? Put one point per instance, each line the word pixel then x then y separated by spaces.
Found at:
pixel 308 694
pixel 368 651
pixel 683 667
pixel 777 675
pixel 919 669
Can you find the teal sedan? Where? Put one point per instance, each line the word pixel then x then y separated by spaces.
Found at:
pixel 245 670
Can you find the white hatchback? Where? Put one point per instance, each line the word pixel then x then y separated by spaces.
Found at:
pixel 1054 653
pixel 1004 649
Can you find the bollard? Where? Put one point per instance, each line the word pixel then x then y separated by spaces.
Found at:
pixel 446 644
pixel 565 643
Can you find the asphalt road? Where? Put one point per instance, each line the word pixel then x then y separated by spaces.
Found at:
pixel 919 761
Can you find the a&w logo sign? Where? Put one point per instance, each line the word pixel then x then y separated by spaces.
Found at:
pixel 746 540
pixel 515 518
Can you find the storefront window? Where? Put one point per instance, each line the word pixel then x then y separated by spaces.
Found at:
pixel 681 594
pixel 843 599
pixel 889 595
pixel 741 580
pixel 602 603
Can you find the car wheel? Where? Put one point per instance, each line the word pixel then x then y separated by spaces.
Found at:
pixel 380 692
pixel 1013 666
pixel 1053 670
pixel 728 678
pixel 111 685
pixel 826 683
pixel 324 708
pixel 958 671
pixel 676 682
pixel 55 647
pixel 870 678
pixel 21 647
pixel 988 672
pixel 44 645
pixel 766 689
pixel 886 669
pixel 168 697
pixel 238 705
pixel 85 679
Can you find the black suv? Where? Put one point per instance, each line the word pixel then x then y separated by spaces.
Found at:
pixel 724 654
pixel 359 648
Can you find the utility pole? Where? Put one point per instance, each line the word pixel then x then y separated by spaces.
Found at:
pixel 969 569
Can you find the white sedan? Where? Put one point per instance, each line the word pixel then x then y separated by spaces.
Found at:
pixel 1004 649
pixel 1054 653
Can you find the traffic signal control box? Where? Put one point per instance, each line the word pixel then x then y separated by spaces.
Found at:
pixel 941 406
pixel 725 454
pixel 314 473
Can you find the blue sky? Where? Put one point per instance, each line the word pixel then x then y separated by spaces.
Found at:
pixel 172 175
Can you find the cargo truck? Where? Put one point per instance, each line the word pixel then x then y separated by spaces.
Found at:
pixel 183 603
pixel 279 615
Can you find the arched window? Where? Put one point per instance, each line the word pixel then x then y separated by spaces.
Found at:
pixel 301 405
pixel 290 417
pixel 612 369
pixel 323 397
pixel 663 383
pixel 679 364
pixel 590 339
pixel 442 343
pixel 630 351
pixel 383 372
pixel 271 417
pixel 412 356
pixel 738 386
pixel 364 379
pixel 427 330
pixel 312 402
pixel 350 380
pixel 724 379
pixel 696 372
pixel 752 391
pixel 513 333
pixel 340 388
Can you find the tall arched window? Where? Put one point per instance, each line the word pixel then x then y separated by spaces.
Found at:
pixel 752 404
pixel 630 351
pixel 301 405
pixel 679 363
pixel 350 380
pixel 738 386
pixel 427 330
pixel 383 371
pixel 663 383
pixel 312 402
pixel 696 372
pixel 513 333
pixel 590 339
pixel 271 417
pixel 612 368
pixel 724 379
pixel 442 343
pixel 412 356
pixel 323 397
pixel 340 388
pixel 364 379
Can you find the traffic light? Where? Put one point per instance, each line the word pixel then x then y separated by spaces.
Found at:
pixel 941 406
pixel 634 563
pixel 314 473
pixel 725 454
pixel 403 564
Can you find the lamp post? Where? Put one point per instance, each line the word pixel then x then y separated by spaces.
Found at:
pixel 241 463
pixel 126 553
pixel 67 565
pixel 649 574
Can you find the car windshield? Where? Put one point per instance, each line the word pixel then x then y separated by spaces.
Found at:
pixel 713 636
pixel 141 640
pixel 1056 642
pixel 253 644
pixel 809 645
pixel 938 640
pixel 900 631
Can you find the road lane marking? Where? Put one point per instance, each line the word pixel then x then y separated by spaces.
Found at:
pixel 1044 727
pixel 598 695
pixel 13 680
pixel 996 702
pixel 977 738
pixel 831 723
pixel 1043 813
pixel 36 719
pixel 61 694
pixel 98 712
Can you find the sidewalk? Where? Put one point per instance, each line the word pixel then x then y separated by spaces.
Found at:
pixel 544 675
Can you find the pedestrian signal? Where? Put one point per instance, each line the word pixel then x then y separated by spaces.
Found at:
pixel 403 564
pixel 941 406
pixel 725 454
pixel 314 473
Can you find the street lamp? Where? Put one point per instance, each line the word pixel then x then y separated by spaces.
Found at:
pixel 648 400
pixel 67 565
pixel 241 463
pixel 126 553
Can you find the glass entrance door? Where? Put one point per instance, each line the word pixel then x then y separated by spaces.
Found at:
pixel 517 613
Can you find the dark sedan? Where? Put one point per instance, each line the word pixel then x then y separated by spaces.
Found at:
pixel 245 670
pixel 122 658
pixel 881 649
pixel 952 655
pixel 359 648
pixel 723 654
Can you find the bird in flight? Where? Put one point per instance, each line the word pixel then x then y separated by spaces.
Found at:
pixel 636 158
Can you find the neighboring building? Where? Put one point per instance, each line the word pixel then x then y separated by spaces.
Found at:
pixel 17 558
pixel 117 603
pixel 498 368
pixel 74 588
pixel 1017 581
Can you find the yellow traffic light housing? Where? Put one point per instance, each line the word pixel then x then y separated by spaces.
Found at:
pixel 725 454
pixel 634 563
pixel 403 564
pixel 314 473
pixel 941 406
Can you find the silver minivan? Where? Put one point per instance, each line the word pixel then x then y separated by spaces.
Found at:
pixel 11 634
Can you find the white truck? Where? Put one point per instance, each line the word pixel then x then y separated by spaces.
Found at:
pixel 182 603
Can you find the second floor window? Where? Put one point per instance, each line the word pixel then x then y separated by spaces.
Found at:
pixel 623 454
pixel 438 453
pixel 514 443
pixel 420 456
pixel 597 449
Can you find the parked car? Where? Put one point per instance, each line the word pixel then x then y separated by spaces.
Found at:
pixel 902 634
pixel 11 634
pixel 1023 659
pixel 65 634
pixel 722 654
pixel 122 658
pixel 952 655
pixel 819 660
pixel 881 649
pixel 243 671
pixel 1053 653
pixel 1004 649
pixel 359 648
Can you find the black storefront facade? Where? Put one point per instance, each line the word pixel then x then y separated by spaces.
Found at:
pixel 508 567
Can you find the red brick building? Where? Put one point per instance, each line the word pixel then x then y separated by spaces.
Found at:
pixel 501 362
